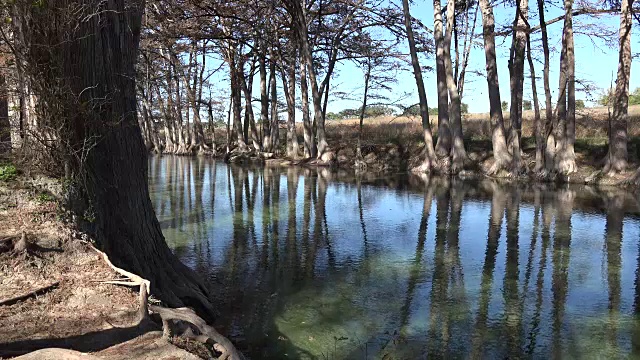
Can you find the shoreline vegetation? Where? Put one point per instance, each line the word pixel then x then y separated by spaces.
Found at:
pixel 392 144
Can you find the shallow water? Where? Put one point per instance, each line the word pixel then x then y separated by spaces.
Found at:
pixel 321 265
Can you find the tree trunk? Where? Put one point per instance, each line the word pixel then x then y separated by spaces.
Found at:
pixel 550 142
pixel 103 49
pixel 617 156
pixel 264 102
pixel 429 153
pixel 275 126
pixel 537 123
pixel 248 109
pixel 502 157
pixel 516 71
pixel 289 87
pixel 5 126
pixel 363 109
pixel 565 132
pixel 458 153
pixel 309 138
pixel 237 102
pixel 443 145
pixel 214 148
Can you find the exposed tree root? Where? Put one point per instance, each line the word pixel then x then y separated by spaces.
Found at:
pixel 633 180
pixel 31 293
pixel 207 334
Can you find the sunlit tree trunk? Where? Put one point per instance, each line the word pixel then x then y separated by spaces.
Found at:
pixel 538 127
pixel 443 145
pixel 250 122
pixel 458 153
pixel 309 138
pixel 502 158
pixel 275 126
pixel 264 100
pixel 617 155
pixel 363 109
pixel 550 122
pixel 565 132
pixel 430 155
pixel 516 71
pixel 289 87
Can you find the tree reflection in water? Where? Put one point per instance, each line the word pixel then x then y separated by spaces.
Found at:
pixel 315 264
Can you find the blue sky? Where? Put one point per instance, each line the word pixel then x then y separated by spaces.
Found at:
pixel 596 63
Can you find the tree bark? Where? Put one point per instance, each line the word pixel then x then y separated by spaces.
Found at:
pixel 458 153
pixel 363 109
pixel 102 49
pixel 617 156
pixel 565 134
pixel 237 96
pixel 516 71
pixel 550 142
pixel 5 126
pixel 537 122
pixel 429 153
pixel 275 126
pixel 502 157
pixel 264 101
pixel 443 145
pixel 247 90
pixel 289 87
pixel 309 134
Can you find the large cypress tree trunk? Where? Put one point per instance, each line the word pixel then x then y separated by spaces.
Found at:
pixel 617 157
pixel 264 101
pixel 550 142
pixel 565 132
pixel 443 145
pixel 289 87
pixel 537 122
pixel 516 71
pixel 430 154
pixel 458 153
pixel 309 138
pixel 96 67
pixel 501 154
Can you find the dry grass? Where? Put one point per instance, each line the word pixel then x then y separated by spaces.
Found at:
pixel 590 124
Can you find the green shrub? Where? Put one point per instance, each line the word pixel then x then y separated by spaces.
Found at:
pixel 8 172
pixel 44 197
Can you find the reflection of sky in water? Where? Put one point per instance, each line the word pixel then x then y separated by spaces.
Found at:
pixel 331 294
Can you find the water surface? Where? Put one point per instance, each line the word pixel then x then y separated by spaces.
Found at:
pixel 310 264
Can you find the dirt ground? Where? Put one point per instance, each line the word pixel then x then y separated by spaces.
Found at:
pixel 79 311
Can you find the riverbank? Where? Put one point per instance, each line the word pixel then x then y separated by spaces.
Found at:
pixel 58 291
pixel 397 156
pixel 395 144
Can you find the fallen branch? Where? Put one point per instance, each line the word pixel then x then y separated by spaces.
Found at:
pixel 32 293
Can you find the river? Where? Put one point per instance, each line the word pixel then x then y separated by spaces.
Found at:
pixel 314 264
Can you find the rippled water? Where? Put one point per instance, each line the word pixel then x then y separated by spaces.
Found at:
pixel 314 264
